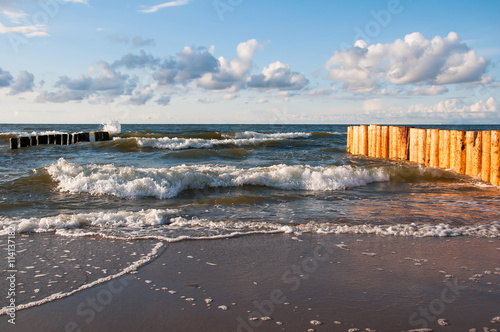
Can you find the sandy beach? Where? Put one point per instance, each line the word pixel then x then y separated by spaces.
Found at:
pixel 283 282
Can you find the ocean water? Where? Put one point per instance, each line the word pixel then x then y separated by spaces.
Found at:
pixel 91 212
pixel 177 182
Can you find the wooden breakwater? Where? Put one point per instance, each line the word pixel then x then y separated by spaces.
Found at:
pixel 58 139
pixel 473 153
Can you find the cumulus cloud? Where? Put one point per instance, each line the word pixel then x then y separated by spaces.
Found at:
pixel 163 100
pixel 278 76
pixel 24 82
pixel 231 74
pixel 6 78
pixel 412 60
pixel 430 90
pixel 103 88
pixel 154 9
pixel 191 68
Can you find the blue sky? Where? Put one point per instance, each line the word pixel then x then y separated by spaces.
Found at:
pixel 242 61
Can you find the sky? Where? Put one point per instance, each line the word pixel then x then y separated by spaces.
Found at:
pixel 241 61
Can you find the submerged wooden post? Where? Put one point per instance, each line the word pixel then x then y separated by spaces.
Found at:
pixel 14 143
pixel 378 142
pixel 363 140
pixel 384 153
pixel 371 140
pixel 486 156
pixel 473 153
pixel 460 156
pixel 404 151
pixel 495 158
pixel 444 148
pixel 413 156
pixel 356 140
pixel 434 152
pixel 349 139
pixel 24 142
pixel 421 150
pixel 428 148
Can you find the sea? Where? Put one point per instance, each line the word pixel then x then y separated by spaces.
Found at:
pixel 170 183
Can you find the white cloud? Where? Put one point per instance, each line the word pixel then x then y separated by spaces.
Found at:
pixel 412 60
pixel 84 2
pixel 29 31
pixel 6 78
pixel 103 88
pixel 454 109
pixel 322 92
pixel 232 74
pixel 24 82
pixel 154 9
pixel 430 90
pixel 13 15
pixel 278 76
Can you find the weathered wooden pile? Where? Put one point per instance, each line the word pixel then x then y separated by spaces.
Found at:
pixel 58 139
pixel 474 153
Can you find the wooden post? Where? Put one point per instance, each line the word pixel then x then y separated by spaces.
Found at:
pixel 477 150
pixel 473 153
pixel 422 138
pixel 356 140
pixel 444 148
pixel 392 142
pixel 43 139
pixel 413 145
pixel 495 158
pixel 378 142
pixel 486 156
pixel 348 145
pixel 384 142
pixel 34 140
pixel 404 152
pixel 14 143
pixel 434 153
pixel 453 148
pixel 372 141
pixel 363 138
pixel 460 152
pixel 24 142
pixel 428 148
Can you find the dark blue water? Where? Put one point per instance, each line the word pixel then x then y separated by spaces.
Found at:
pixel 176 181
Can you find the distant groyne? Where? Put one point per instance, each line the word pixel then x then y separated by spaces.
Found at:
pixel 58 139
pixel 473 153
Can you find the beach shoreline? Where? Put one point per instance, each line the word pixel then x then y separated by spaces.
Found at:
pixel 287 282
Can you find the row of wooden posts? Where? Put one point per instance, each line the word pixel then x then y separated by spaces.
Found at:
pixel 474 153
pixel 58 139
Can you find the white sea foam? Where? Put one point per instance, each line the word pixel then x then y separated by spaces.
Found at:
pixel 163 183
pixel 60 295
pixel 113 127
pixel 173 228
pixel 257 135
pixel 240 139
pixel 109 220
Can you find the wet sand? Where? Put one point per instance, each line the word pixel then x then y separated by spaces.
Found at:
pixel 277 282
